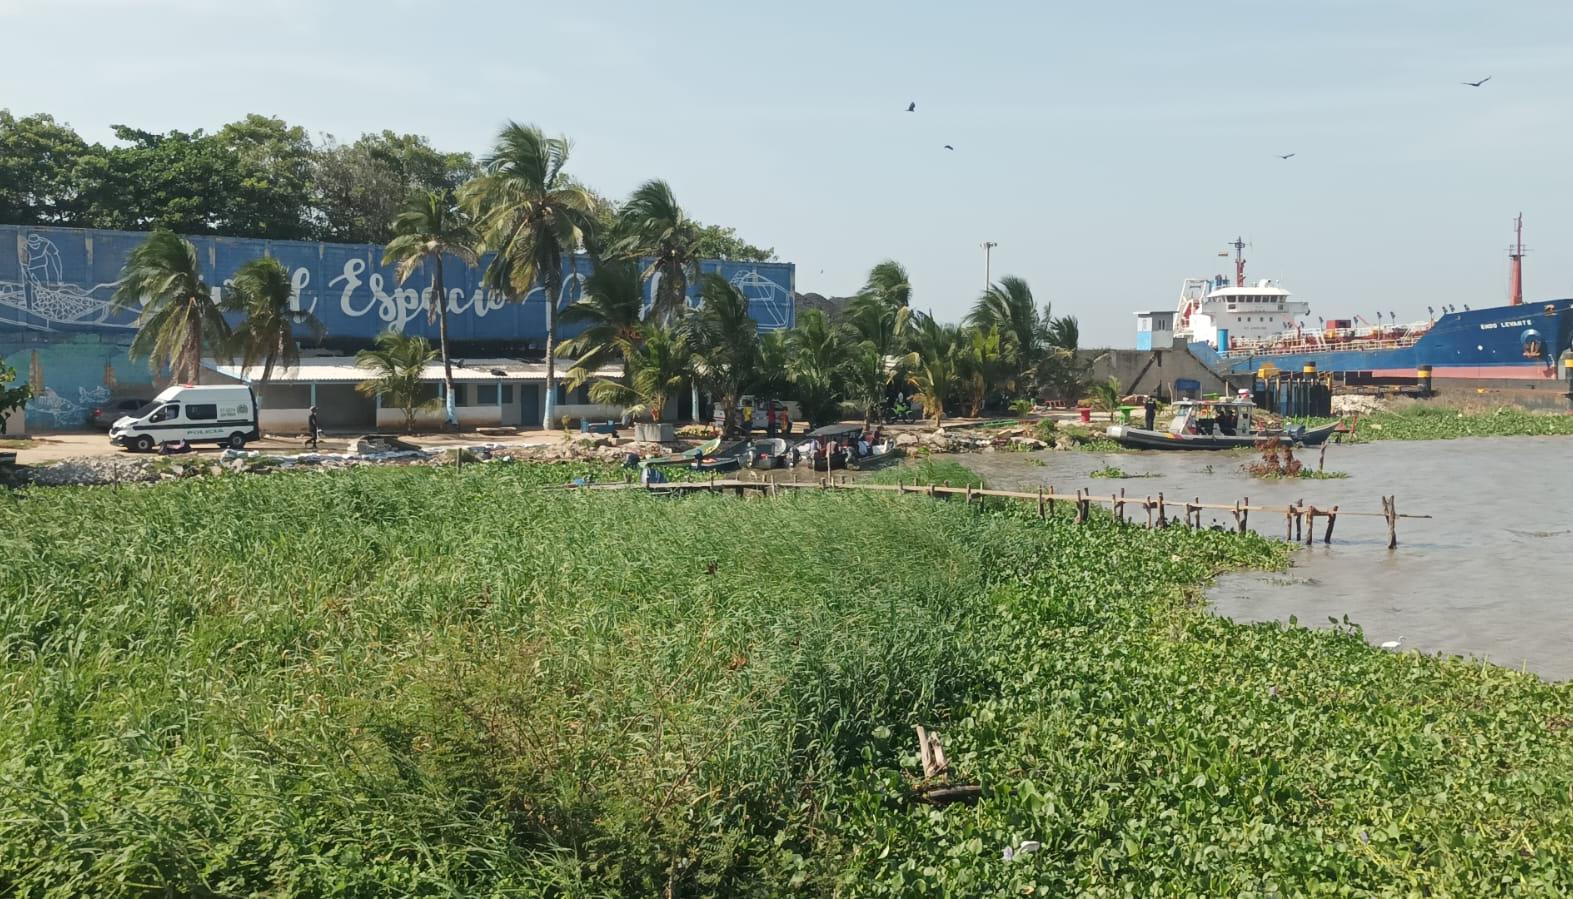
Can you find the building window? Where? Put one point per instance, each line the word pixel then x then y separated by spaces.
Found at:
pixel 202 412
pixel 507 394
pixel 485 394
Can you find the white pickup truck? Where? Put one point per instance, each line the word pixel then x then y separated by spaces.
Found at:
pixel 787 412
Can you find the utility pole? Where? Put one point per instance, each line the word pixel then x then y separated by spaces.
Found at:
pixel 988 246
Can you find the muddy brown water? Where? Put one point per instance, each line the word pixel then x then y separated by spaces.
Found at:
pixel 1489 576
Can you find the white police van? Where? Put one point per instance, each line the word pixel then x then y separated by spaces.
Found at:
pixel 222 414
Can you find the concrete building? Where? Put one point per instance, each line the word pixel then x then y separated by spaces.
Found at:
pixel 60 332
pixel 487 393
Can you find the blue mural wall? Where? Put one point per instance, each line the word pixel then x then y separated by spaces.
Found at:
pixel 57 327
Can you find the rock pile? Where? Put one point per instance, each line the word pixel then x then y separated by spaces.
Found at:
pixel 87 471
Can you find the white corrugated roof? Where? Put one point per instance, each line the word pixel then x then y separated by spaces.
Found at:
pixel 323 369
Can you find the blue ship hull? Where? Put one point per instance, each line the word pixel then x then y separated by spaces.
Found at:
pixel 1514 343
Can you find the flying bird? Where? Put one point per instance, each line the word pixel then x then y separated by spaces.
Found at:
pixel 913 106
pixel 949 147
pixel 1285 155
pixel 1476 83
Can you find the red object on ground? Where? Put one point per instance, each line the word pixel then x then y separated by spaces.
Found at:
pixel 1086 414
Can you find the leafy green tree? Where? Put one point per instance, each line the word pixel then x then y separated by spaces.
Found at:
pixel 772 370
pixel 267 335
pixel 932 369
pixel 397 364
pixel 533 217
pixel 429 230
pixel 724 341
pixel 176 312
pixel 273 192
pixel 652 225
pixel 11 398
pixel 611 308
pixel 657 366
pixel 817 364
pixel 358 189
pixel 39 171
pixel 718 242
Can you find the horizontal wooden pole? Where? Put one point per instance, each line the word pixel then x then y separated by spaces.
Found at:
pixel 1047 495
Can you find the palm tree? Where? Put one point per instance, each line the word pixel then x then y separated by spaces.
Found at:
pixel 881 328
pixel 1106 396
pixel 657 366
pixel 889 284
pixel 261 291
pixel 529 212
pixel 398 363
pixel 816 363
pixel 1008 306
pixel 428 229
pixel 180 315
pixel 724 340
pixel 652 224
pixel 981 366
pixel 610 307
pixel 932 364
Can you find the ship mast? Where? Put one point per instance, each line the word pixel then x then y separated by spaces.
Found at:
pixel 1239 261
pixel 1516 253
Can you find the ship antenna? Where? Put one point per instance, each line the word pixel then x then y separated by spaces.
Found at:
pixel 1516 253
pixel 1239 261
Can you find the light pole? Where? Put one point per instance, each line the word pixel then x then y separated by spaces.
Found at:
pixel 988 246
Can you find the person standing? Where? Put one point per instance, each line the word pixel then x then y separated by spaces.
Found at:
pixel 1150 411
pixel 770 419
pixel 313 428
pixel 748 419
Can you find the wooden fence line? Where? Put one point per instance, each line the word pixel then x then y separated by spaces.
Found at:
pixel 1299 518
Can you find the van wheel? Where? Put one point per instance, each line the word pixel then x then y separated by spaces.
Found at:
pixel 143 444
pixel 237 441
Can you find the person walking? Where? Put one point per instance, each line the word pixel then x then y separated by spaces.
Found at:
pixel 313 428
pixel 1150 411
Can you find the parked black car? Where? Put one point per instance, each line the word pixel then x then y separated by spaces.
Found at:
pixel 107 414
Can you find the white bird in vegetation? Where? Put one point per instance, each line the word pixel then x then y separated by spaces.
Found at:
pixel 1394 644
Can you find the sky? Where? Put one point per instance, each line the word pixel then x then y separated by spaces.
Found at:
pixel 1110 149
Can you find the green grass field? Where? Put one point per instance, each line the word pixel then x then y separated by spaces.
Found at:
pixel 458 683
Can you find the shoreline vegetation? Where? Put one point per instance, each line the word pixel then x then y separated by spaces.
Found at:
pixel 400 679
pixel 1416 421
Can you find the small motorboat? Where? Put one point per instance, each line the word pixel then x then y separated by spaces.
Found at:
pixel 834 446
pixel 766 454
pixel 881 453
pixel 1217 424
pixel 686 456
pixel 719 463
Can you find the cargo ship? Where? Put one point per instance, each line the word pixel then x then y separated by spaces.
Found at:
pixel 1242 328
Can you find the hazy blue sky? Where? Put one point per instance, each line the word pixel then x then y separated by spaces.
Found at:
pixel 1111 149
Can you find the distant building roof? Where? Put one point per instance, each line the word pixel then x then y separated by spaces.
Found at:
pixel 323 369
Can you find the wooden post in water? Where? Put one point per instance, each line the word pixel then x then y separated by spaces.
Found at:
pixel 1148 505
pixel 1310 526
pixel 1119 507
pixel 1390 509
pixel 1081 508
pixel 1196 512
pixel 1042 511
pixel 1289 523
pixel 1163 520
pixel 1245 515
pixel 1298 521
pixel 1332 519
pixel 1239 523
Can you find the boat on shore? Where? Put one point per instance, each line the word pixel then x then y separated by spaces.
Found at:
pixel 1217 425
pixel 685 457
